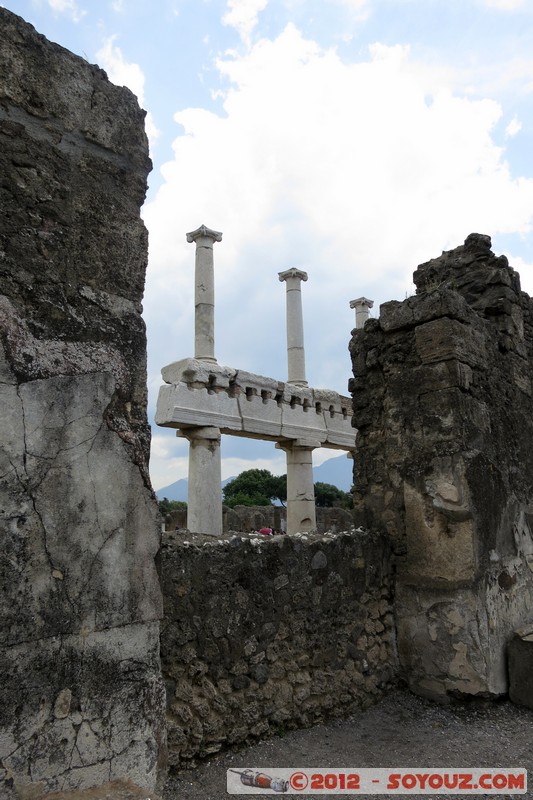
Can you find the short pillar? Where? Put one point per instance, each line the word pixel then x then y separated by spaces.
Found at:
pixel 362 310
pixel 301 511
pixel 204 501
pixel 295 326
pixel 204 293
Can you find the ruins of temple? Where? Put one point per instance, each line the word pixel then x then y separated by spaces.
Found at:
pixel 204 400
pixel 433 588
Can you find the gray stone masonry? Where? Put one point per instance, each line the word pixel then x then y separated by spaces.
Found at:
pixel 263 634
pixel 442 397
pixel 81 695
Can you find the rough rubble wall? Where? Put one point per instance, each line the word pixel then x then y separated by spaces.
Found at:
pixel 81 697
pixel 252 518
pixel 442 400
pixel 264 634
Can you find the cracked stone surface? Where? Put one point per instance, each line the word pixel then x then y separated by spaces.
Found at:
pixel 81 696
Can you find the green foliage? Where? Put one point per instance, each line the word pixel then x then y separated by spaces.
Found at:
pixel 167 506
pixel 327 495
pixel 279 488
pixel 255 487
pixel 258 487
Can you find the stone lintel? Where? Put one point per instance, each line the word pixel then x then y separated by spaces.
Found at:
pixel 204 233
pixel 292 273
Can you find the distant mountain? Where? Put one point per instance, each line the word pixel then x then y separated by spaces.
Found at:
pixel 174 491
pixel 337 471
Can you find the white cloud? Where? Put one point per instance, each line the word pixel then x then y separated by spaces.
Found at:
pixel 243 15
pixel 69 7
pixel 355 172
pixel 169 459
pixel 504 5
pixel 513 127
pixel 277 465
pixel 126 74
pixel 359 8
pixel 525 270
pixel 117 6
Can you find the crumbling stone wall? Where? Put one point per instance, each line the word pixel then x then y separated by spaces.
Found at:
pixel 81 697
pixel 268 633
pixel 443 403
pixel 248 518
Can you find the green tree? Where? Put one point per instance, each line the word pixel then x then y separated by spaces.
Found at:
pixel 255 487
pixel 167 506
pixel 327 495
pixel 279 488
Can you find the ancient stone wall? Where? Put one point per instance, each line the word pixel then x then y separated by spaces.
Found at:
pixel 248 518
pixel 443 404
pixel 81 697
pixel 268 633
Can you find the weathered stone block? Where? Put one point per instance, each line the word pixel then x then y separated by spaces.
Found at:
pixel 445 339
pixel 81 696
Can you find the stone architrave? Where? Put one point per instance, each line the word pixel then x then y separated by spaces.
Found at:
pixel 295 326
pixel 362 310
pixel 204 502
pixel 204 293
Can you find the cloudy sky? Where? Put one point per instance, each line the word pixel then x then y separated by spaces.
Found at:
pixel 353 139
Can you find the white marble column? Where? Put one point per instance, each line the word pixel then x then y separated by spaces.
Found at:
pixel 301 510
pixel 204 500
pixel 204 293
pixel 362 310
pixel 295 326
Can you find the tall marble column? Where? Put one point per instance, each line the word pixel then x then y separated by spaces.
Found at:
pixel 204 293
pixel 301 510
pixel 362 310
pixel 204 501
pixel 295 326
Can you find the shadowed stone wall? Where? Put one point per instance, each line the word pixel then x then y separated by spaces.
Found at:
pixel 268 633
pixel 443 404
pixel 81 698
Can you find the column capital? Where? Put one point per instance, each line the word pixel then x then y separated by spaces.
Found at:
pixel 361 302
pixel 207 433
pixel 204 233
pixel 303 444
pixel 292 273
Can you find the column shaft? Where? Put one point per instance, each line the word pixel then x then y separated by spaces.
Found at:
pixel 295 326
pixel 204 501
pixel 301 511
pixel 204 293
